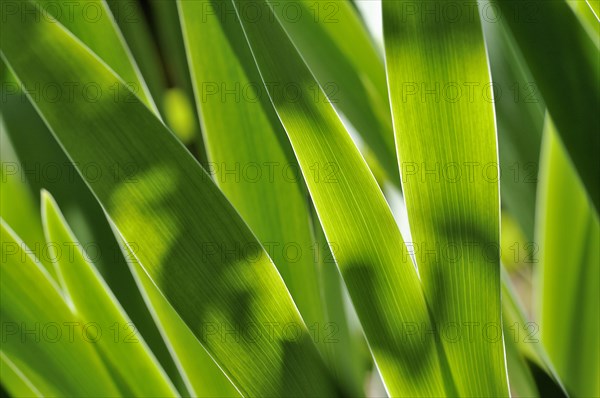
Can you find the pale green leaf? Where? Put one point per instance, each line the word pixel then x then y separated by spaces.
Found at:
pixel 343 338
pixel 253 163
pixel 357 222
pixel 93 23
pixel 171 209
pixel 93 301
pixel 14 380
pixel 338 50
pixel 40 334
pixel 201 375
pixel 568 232
pixel 449 164
pixel 45 166
pixel 16 204
pixel 587 12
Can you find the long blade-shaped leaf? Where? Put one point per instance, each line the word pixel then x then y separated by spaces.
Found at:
pixel 520 118
pixel 83 214
pixel 41 164
pixel 158 207
pixel 250 161
pixel 14 380
pixel 132 22
pixel 17 207
pixel 93 301
pixel 45 166
pixel 40 334
pixel 453 212
pixel 565 63
pixel 93 23
pixel 350 355
pixel 359 225
pixel 201 375
pixel 348 67
pixel 568 232
pixel 586 12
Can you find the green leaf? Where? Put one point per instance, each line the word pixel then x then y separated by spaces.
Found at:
pixel 168 206
pixel 522 383
pixel 520 118
pixel 93 23
pixel 201 375
pixel 446 141
pixel 175 103
pixel 165 16
pixel 346 65
pixel 588 11
pixel 568 232
pixel 16 204
pixel 126 352
pixel 40 334
pixel 130 18
pixel 565 63
pixel 345 345
pixel 529 371
pixel 595 7
pixel 14 380
pixel 256 169
pixel 45 166
pixel 253 163
pixel 357 221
